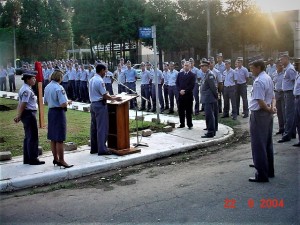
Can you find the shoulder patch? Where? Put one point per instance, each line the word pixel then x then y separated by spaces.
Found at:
pixel 25 94
pixel 211 77
pixel 63 91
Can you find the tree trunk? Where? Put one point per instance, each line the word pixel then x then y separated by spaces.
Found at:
pixel 91 47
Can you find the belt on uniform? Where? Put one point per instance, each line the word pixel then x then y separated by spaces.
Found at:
pixel 130 82
pixel 278 91
pixel 60 108
pixel 230 86
pixel 288 91
pixel 31 110
pixel 144 84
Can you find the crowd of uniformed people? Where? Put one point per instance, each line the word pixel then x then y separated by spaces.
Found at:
pixel 276 89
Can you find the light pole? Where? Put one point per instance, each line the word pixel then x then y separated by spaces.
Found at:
pixel 15 48
pixel 208 31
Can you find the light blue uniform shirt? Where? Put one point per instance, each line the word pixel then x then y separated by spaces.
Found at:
pixel 48 73
pixel 108 76
pixel 83 75
pixel 77 74
pixel 173 77
pixel 65 78
pixel 271 70
pixel 130 75
pixel 199 74
pixel 121 76
pixel 297 85
pixel 218 75
pixel 166 76
pixel 221 67
pixel 3 73
pixel 262 89
pixel 159 76
pixel 71 74
pixel 27 95
pixel 90 74
pixel 11 71
pixel 96 88
pixel 277 79
pixel 229 77
pixel 55 95
pixel 289 78
pixel 242 74
pixel 145 77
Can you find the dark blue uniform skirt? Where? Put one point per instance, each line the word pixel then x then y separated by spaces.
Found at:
pixel 57 124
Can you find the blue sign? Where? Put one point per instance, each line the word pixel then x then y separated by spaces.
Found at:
pixel 145 32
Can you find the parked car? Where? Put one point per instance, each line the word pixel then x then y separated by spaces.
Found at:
pixel 138 70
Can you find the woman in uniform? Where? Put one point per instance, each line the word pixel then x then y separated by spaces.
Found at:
pixel 27 114
pixel 57 101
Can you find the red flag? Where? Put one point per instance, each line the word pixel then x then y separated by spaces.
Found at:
pixel 38 68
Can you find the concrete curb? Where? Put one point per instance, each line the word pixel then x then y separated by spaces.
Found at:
pixel 51 177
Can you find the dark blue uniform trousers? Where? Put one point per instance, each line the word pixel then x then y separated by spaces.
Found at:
pixel 209 109
pixel 261 127
pixel 12 83
pixel 290 127
pixel 229 94
pixel 31 139
pixel 71 89
pixel 160 97
pixel 280 109
pixel 121 89
pixel 173 92
pixel 99 127
pixel 145 94
pixel 2 83
pixel 77 89
pixel 241 91
pixel 132 86
pixel 109 88
pixel 84 91
pixel 196 97
pixel 65 85
pixel 166 96
pixel 297 115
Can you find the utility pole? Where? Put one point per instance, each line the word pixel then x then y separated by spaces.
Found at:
pixel 208 31
pixel 155 71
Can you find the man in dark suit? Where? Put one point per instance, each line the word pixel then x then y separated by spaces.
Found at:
pixel 185 84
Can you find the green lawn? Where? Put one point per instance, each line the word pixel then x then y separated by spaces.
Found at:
pixel 78 128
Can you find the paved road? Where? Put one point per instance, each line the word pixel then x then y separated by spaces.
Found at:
pixel 188 192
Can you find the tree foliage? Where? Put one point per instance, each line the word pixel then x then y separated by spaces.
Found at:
pixel 45 27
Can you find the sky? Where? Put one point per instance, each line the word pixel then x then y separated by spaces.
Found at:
pixel 278 5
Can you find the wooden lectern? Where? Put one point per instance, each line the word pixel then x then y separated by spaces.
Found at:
pixel 118 140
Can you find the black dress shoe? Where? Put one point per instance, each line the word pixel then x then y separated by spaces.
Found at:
pixel 205 129
pixel 93 152
pixel 279 132
pixel 180 126
pixel 36 162
pixel 190 128
pixel 271 176
pixel 207 136
pixel 251 165
pixel 171 112
pixel 296 145
pixel 254 179
pixel 105 153
pixel 283 140
pixel 245 116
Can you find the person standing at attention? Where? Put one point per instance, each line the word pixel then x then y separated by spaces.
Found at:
pixel 99 112
pixel 262 105
pixel 27 109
